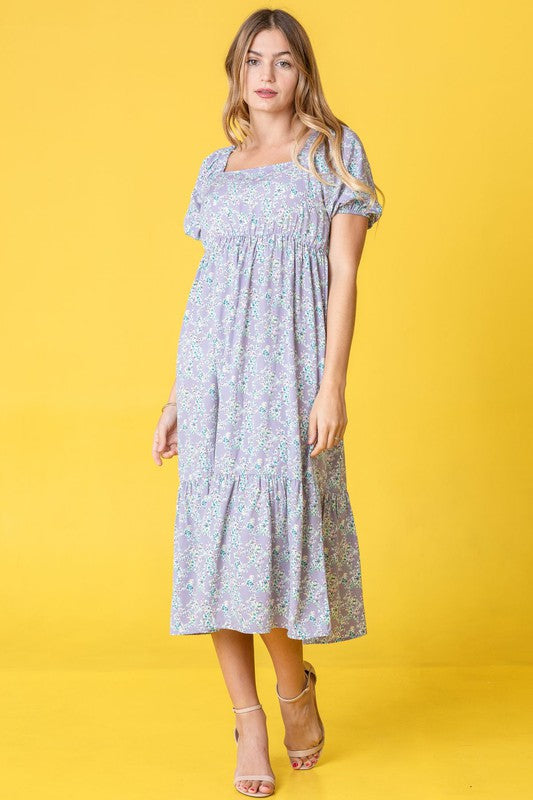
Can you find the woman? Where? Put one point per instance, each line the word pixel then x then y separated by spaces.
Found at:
pixel 265 540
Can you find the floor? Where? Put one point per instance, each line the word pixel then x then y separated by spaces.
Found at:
pixel 396 733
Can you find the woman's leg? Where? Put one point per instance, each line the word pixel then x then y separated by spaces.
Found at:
pixel 302 728
pixel 235 653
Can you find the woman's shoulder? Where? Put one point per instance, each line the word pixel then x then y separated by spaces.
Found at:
pixel 212 160
pixel 350 139
pixel 349 133
pixel 352 152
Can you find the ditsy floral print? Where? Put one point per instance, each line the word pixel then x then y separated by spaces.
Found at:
pixel 264 534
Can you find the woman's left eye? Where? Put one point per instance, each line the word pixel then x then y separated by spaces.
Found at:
pixel 285 62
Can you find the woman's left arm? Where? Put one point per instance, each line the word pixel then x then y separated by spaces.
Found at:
pixel 328 419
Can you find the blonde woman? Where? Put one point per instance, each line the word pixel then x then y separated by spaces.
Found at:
pixel 265 540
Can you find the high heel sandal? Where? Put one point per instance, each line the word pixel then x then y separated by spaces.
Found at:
pixel 265 778
pixel 301 754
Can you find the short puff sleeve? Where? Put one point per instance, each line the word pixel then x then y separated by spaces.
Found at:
pixel 192 224
pixel 343 199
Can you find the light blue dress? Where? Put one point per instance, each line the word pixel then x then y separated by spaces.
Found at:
pixel 264 534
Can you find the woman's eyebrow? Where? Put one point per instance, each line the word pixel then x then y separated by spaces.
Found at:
pixel 281 53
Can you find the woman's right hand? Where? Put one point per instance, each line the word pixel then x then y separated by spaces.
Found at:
pixel 165 444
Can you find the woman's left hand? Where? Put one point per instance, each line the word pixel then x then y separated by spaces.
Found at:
pixel 327 420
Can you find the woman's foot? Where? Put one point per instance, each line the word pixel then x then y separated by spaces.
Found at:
pixel 252 751
pixel 302 726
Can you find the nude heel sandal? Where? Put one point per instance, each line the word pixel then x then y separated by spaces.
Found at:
pixel 266 778
pixel 309 670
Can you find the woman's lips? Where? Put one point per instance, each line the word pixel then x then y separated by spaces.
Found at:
pixel 266 93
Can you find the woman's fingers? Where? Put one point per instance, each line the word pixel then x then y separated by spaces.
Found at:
pixel 328 437
pixel 160 448
pixel 165 442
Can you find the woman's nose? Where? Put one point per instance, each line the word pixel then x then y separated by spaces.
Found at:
pixel 268 73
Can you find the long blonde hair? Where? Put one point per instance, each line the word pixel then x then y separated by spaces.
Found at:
pixel 310 105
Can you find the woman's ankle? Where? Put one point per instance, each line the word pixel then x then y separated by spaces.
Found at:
pixel 289 689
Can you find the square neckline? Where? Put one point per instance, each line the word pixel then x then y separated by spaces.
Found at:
pixel 232 147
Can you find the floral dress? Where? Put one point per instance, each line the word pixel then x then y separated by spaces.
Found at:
pixel 264 533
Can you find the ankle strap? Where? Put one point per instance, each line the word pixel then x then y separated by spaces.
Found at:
pixel 248 708
pixel 292 699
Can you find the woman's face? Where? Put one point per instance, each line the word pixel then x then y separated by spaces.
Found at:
pixel 269 65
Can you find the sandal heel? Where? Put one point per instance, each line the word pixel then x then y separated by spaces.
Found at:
pixel 317 749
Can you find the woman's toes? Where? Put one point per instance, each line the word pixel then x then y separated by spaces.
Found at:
pixel 296 762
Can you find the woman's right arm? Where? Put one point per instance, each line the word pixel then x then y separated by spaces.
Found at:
pixel 172 395
pixel 165 442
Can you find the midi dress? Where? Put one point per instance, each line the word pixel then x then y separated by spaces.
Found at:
pixel 264 533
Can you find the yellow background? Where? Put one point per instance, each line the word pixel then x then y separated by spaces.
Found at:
pixel 108 110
